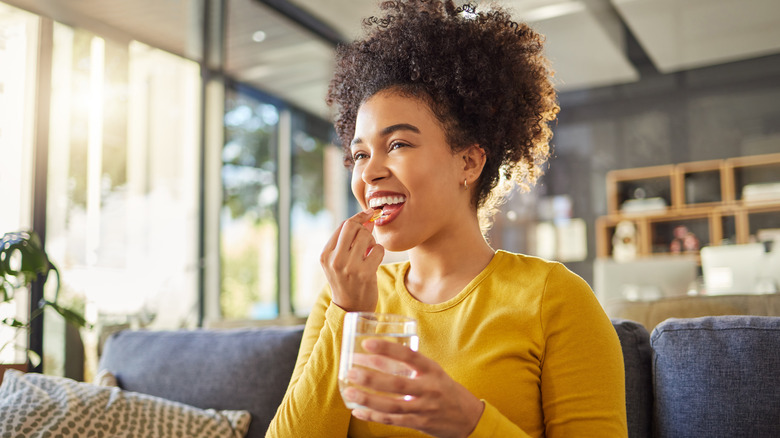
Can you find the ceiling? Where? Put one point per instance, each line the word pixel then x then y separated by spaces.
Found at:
pixel 171 25
pixel 586 39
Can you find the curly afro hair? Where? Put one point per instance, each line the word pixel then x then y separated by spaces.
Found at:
pixel 483 75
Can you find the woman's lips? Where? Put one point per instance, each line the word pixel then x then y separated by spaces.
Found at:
pixel 390 204
pixel 389 214
pixel 377 201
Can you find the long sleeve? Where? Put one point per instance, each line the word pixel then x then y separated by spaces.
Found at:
pixel 493 424
pixel 583 381
pixel 580 365
pixel 312 405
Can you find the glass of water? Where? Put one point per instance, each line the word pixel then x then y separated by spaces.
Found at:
pixel 360 326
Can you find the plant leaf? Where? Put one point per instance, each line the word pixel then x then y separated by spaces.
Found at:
pixel 7 291
pixel 13 322
pixel 33 259
pixel 69 315
pixel 35 358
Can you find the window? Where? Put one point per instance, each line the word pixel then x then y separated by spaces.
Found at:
pixel 18 45
pixel 315 208
pixel 254 244
pixel 122 208
pixel 124 132
pixel 249 228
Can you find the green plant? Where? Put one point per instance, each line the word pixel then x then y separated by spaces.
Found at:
pixel 23 260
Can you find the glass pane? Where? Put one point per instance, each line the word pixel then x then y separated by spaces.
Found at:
pixel 311 221
pixel 123 185
pixel 248 223
pixel 18 45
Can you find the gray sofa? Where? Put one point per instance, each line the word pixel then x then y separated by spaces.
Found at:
pixel 701 377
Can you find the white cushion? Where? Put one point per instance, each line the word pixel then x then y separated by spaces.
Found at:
pixel 36 403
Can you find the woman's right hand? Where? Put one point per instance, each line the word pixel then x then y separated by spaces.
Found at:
pixel 350 261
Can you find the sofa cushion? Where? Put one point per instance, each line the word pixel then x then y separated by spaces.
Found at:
pixel 717 376
pixel 244 369
pixel 34 405
pixel 635 342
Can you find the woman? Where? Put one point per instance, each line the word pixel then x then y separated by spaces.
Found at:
pixel 440 109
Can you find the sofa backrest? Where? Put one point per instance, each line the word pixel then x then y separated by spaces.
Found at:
pixel 250 369
pixel 717 377
pixel 712 376
pixel 245 369
pixel 635 342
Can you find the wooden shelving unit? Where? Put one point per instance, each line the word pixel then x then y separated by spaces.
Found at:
pixel 705 196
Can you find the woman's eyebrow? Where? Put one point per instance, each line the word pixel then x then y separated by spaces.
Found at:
pixel 389 130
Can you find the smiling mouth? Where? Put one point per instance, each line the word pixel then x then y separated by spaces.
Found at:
pixel 387 205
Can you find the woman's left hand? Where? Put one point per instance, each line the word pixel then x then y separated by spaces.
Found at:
pixel 438 405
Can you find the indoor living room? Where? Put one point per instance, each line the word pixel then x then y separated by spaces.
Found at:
pixel 178 164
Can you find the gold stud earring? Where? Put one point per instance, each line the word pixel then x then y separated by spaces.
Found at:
pixel 466 184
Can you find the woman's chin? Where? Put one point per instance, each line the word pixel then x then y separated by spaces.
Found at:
pixel 393 243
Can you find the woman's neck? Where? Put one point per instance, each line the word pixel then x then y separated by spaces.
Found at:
pixel 439 270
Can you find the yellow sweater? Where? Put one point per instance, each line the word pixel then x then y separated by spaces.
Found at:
pixel 526 336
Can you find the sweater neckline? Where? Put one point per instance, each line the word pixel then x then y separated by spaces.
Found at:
pixel 417 305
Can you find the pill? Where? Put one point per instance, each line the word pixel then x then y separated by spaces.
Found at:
pixel 376 215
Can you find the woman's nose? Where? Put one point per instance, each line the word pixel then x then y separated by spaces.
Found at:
pixel 375 169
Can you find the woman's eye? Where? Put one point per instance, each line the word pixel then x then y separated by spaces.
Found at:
pixel 397 145
pixel 359 156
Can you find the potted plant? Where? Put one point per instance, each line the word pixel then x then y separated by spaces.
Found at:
pixel 23 260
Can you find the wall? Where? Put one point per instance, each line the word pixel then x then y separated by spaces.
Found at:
pixel 708 113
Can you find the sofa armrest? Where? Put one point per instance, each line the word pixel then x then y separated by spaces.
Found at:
pixel 243 369
pixel 635 343
pixel 717 376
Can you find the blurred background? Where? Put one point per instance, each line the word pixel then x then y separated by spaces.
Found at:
pixel 178 160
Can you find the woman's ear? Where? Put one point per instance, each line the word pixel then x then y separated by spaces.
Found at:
pixel 473 162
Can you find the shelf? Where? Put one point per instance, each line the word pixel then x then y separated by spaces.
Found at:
pixel 700 183
pixel 725 229
pixel 755 179
pixel 676 235
pixel 763 219
pixel 639 184
pixel 704 197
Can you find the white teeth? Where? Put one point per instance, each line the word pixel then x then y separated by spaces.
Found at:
pixel 385 200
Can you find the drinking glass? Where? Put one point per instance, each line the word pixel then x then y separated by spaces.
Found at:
pixel 360 326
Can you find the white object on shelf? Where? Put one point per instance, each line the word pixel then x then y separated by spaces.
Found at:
pixel 624 242
pixel 761 192
pixel 643 205
pixel 733 269
pixel 644 279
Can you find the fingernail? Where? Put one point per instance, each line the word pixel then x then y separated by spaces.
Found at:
pixel 360 414
pixel 353 375
pixel 370 344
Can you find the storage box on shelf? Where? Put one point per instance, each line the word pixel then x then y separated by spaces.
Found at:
pixel 718 201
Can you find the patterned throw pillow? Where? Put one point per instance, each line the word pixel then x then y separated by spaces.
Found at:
pixel 33 403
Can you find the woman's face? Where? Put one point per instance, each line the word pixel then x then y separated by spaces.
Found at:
pixel 403 164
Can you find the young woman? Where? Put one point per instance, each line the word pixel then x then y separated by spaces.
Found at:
pixel 440 109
